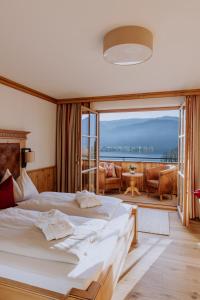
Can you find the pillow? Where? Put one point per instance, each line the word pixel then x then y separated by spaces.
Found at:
pixel 6 194
pixel 110 170
pixel 26 185
pixel 86 199
pixel 16 190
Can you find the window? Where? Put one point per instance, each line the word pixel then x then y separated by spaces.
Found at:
pixel 89 141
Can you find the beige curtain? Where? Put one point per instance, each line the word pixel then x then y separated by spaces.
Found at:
pixel 68 152
pixel 192 152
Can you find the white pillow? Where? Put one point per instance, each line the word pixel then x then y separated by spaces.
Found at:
pixel 86 199
pixel 16 190
pixel 26 185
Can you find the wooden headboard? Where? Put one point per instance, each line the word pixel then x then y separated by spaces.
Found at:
pixel 11 142
pixel 10 158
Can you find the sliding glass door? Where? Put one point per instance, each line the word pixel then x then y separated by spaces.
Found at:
pixel 181 164
pixel 89 150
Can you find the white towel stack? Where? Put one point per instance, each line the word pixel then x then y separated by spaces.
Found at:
pixel 87 199
pixel 54 224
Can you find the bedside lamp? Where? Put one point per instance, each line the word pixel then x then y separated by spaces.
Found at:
pixel 28 156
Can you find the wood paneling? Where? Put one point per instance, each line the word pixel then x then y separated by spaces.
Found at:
pixel 25 89
pixel 44 178
pixel 136 96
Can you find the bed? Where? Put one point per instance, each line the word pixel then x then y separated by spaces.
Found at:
pixel 23 277
pixel 66 203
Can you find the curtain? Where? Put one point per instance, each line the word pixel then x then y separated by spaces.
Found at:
pixel 192 159
pixel 68 148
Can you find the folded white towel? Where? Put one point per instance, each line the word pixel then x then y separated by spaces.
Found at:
pixel 54 224
pixel 87 199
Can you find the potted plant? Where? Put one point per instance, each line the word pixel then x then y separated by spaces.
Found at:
pixel 132 169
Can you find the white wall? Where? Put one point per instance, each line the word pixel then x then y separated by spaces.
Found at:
pixel 20 111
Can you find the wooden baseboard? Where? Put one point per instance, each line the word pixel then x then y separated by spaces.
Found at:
pixel 44 178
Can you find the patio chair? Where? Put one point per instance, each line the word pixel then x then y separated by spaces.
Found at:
pixel 161 180
pixel 110 176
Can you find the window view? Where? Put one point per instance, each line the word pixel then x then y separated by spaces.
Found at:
pixel 139 136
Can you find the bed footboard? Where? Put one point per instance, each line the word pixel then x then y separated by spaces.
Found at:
pixel 90 294
pixel 135 214
pixel 13 290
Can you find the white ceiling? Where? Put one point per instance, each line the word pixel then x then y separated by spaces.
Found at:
pixel 55 46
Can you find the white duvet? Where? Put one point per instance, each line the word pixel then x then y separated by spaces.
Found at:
pixel 102 254
pixel 19 235
pixel 66 203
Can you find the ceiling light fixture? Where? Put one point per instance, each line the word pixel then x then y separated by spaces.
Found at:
pixel 128 45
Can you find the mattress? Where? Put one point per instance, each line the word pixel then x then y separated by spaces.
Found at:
pixel 61 277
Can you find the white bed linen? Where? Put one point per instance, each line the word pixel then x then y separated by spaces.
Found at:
pixel 61 277
pixel 66 203
pixel 55 225
pixel 19 235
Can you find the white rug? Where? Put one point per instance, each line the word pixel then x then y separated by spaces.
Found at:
pixel 153 221
pixel 140 268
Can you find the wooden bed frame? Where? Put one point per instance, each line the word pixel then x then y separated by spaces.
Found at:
pixel 102 289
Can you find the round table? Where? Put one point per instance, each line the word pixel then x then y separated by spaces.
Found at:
pixel 132 179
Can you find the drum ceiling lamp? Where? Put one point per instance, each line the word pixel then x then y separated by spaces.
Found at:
pixel 128 45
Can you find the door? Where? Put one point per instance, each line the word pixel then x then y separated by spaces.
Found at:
pixel 89 150
pixel 181 163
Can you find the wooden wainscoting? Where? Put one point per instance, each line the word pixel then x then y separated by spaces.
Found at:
pixel 44 178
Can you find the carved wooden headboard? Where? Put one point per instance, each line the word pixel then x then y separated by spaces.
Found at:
pixel 10 158
pixel 11 142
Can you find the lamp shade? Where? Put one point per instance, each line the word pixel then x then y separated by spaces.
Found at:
pixel 30 157
pixel 128 45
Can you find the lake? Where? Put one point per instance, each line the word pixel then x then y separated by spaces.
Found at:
pixel 124 156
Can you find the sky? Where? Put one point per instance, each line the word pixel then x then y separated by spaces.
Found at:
pixel 130 115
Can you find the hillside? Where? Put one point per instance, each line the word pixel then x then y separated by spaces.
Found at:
pixel 159 134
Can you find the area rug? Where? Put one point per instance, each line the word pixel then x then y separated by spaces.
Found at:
pixel 153 221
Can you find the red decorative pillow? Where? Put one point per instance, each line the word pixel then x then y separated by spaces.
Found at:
pixel 6 194
pixel 110 170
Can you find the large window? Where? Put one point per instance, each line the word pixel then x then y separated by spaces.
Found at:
pixel 89 140
pixel 150 136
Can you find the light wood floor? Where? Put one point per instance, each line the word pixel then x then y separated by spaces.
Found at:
pixel 168 267
pixel 145 200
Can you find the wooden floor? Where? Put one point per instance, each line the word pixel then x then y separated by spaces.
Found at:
pixel 163 268
pixel 145 200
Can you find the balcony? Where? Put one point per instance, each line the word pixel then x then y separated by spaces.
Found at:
pixel 144 199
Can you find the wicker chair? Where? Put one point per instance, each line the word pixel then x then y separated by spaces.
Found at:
pixel 109 183
pixel 162 180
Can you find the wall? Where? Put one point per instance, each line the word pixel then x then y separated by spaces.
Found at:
pixel 20 111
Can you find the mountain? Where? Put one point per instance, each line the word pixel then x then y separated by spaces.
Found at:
pixel 159 134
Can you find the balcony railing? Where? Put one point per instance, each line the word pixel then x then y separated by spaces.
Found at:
pixel 139 159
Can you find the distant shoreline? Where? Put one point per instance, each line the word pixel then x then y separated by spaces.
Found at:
pixel 133 157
